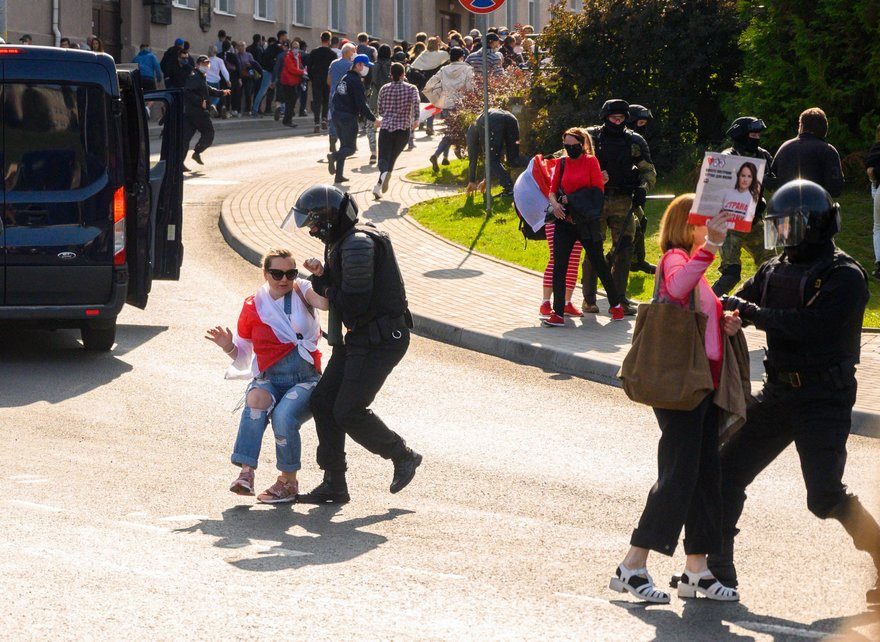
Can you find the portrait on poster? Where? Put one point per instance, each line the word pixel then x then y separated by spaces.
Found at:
pixel 728 184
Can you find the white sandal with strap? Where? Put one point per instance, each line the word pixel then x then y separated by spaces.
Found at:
pixel 639 583
pixel 704 583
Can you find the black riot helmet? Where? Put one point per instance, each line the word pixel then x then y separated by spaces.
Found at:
pixel 614 106
pixel 743 126
pixel 637 113
pixel 800 213
pixel 332 211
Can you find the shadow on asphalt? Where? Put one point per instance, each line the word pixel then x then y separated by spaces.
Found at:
pixel 705 620
pixel 326 542
pixel 52 366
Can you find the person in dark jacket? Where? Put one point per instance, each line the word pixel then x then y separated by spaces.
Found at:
pixel 195 109
pixel 808 156
pixel 811 302
pixel 181 70
pixel 318 67
pixel 169 59
pixel 503 140
pixel 362 280
pixel 349 102
pixel 230 59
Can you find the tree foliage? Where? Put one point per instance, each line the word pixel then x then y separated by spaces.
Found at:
pixel 824 53
pixel 678 57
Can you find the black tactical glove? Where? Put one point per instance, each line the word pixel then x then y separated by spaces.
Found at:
pixel 320 284
pixel 748 311
pixel 639 197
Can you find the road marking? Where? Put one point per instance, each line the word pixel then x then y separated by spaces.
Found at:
pixel 210 181
pixel 185 518
pixel 424 571
pixel 777 628
pixel 44 507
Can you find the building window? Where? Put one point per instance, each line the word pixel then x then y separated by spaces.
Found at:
pixel 184 4
pixel 577 5
pixel 302 12
pixel 225 6
pixel 371 16
pixel 336 15
pixel 401 19
pixel 511 15
pixel 533 14
pixel 264 10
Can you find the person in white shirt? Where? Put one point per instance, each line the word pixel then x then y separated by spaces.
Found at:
pixel 445 90
pixel 216 71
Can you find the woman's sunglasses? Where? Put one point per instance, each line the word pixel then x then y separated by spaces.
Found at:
pixel 280 274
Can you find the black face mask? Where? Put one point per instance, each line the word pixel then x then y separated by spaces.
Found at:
pixel 574 151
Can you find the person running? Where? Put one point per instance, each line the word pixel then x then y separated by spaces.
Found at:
pixel 349 102
pixel 195 109
pixel 276 346
pixel 398 116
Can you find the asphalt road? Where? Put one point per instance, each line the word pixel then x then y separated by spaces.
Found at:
pixel 117 521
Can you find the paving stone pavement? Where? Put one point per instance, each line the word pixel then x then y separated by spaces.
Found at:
pixel 464 298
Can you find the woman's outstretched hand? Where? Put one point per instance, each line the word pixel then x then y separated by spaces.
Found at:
pixel 222 337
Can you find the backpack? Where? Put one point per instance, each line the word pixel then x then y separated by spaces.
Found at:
pixel 525 229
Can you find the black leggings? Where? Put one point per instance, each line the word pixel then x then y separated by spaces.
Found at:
pixel 391 144
pixel 589 233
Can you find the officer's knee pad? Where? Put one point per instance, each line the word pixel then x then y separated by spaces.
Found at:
pixel 734 271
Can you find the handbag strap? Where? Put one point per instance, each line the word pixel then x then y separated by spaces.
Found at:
pixel 658 278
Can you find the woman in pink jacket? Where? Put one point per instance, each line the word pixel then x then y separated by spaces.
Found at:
pixel 688 489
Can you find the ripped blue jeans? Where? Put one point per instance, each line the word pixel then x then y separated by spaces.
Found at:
pixel 290 383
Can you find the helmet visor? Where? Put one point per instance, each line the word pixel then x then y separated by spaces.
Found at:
pixel 295 218
pixel 757 126
pixel 785 231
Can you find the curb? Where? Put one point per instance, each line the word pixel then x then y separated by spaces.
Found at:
pixel 305 124
pixel 864 422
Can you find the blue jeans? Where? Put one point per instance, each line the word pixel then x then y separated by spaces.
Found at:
pixel 290 383
pixel 264 87
pixel 216 100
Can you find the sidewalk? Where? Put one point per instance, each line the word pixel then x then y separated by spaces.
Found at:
pixel 466 299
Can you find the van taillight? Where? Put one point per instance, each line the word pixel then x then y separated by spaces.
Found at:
pixel 10 51
pixel 119 226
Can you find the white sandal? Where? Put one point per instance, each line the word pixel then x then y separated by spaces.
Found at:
pixel 639 583
pixel 704 583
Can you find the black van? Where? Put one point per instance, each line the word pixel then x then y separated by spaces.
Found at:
pixel 87 223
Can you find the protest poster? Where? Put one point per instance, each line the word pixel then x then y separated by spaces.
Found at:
pixel 728 183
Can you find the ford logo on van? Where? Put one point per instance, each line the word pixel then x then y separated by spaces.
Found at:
pixel 66 256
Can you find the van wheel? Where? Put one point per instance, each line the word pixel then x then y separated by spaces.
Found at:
pixel 98 336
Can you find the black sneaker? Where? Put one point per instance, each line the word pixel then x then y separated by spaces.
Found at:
pixel 197 158
pixel 434 165
pixel 445 161
pixel 405 470
pixel 329 491
pixel 340 179
pixel 372 159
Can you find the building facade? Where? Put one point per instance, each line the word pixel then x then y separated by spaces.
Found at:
pixel 123 24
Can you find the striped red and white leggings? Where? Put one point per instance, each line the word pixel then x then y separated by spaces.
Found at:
pixel 574 261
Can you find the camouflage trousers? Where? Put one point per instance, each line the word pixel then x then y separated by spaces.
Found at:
pixel 731 255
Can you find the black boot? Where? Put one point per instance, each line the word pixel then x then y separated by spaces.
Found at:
pixel 333 490
pixel 865 533
pixel 405 469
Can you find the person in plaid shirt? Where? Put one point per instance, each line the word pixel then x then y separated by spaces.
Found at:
pixel 398 116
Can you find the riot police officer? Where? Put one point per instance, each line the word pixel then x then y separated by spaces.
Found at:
pixel 810 301
pixel 361 278
pixel 620 151
pixel 745 132
pixel 639 117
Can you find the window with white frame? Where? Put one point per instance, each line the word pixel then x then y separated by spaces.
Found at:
pixel 533 14
pixel 302 12
pixel 371 16
pixel 225 6
pixel 511 14
pixel 264 10
pixel 401 19
pixel 336 15
pixel 184 4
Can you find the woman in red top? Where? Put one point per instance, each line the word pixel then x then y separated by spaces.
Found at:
pixel 276 345
pixel 579 172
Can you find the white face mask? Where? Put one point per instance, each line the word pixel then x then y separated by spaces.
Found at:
pixel 204 68
pixel 364 71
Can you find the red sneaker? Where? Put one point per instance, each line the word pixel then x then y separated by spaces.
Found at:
pixel 616 313
pixel 554 320
pixel 546 309
pixel 571 311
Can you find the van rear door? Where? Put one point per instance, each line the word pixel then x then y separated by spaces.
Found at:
pixel 139 221
pixel 59 184
pixel 166 181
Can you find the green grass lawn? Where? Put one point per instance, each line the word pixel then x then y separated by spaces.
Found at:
pixel 453 174
pixel 462 219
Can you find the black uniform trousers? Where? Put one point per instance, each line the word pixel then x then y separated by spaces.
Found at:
pixel 199 121
pixel 347 130
pixel 341 399
pixel 320 99
pixel 688 488
pixel 589 233
pixel 817 419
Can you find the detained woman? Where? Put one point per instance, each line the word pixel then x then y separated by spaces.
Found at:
pixel 687 493
pixel 578 175
pixel 276 346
